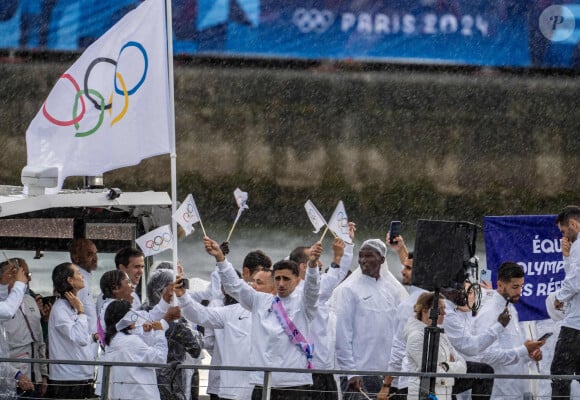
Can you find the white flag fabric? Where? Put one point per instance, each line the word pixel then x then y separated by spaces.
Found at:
pixel 314 215
pixel 338 222
pixel 187 215
pixel 156 241
pixel 111 108
pixel 241 198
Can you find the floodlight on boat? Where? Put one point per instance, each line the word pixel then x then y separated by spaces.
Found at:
pixel 39 178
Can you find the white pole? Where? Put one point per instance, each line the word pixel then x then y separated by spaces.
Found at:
pixel 169 31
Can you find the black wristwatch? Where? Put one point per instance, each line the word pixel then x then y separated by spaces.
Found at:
pixel 334 265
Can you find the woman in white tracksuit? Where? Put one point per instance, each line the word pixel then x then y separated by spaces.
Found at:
pixel 448 359
pixel 128 383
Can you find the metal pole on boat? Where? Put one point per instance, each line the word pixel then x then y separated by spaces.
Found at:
pixel 105 382
pixel 173 155
pixel 266 387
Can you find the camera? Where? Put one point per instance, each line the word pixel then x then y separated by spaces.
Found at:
pixel 114 193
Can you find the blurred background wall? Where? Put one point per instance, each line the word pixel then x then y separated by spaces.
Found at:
pixel 394 143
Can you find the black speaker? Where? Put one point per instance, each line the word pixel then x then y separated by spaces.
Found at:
pixel 442 250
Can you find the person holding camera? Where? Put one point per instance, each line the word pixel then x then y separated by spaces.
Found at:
pixel 12 290
pixel 25 338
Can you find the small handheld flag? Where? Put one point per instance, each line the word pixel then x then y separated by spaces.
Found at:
pixel 156 241
pixel 187 215
pixel 314 215
pixel 338 222
pixel 241 201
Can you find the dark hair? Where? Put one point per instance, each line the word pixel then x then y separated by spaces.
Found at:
pixel 568 212
pixel 115 312
pixel 298 255
pixel 15 261
pixel 508 271
pixel 110 281
pixel 76 245
pixel 256 259
pixel 60 275
pixel 3 265
pixel 286 264
pixel 125 254
pixel 424 302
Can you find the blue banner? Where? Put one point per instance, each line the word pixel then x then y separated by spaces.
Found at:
pixel 506 33
pixel 534 242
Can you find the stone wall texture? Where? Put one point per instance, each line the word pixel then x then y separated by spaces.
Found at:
pixel 392 144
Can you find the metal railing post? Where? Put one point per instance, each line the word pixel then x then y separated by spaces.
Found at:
pixel 266 387
pixel 105 382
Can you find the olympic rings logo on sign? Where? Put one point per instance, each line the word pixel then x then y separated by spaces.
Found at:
pixel 313 20
pixel 95 97
pixel 159 242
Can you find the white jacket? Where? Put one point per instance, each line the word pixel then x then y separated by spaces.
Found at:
pixel 128 383
pixel 236 324
pixel 414 333
pixel 271 347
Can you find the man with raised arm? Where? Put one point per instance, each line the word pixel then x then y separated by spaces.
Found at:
pixel 280 323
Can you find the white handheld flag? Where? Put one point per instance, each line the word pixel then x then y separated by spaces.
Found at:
pixel 338 222
pixel 314 215
pixel 111 108
pixel 187 215
pixel 241 201
pixel 156 241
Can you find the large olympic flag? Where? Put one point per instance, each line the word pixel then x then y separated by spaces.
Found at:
pixel 534 242
pixel 111 109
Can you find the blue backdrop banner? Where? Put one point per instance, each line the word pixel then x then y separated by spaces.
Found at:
pixel 534 242
pixel 506 33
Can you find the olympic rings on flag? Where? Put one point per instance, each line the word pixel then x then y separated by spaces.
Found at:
pixel 96 98
pixel 145 59
pixel 189 214
pixel 342 222
pixel 75 119
pixel 159 242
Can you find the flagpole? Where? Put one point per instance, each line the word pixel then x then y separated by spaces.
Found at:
pixel 324 233
pixel 173 156
pixel 234 225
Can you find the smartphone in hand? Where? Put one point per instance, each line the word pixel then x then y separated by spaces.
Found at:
pixel 394 231
pixel 545 336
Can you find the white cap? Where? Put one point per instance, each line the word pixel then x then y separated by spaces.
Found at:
pixel 376 244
